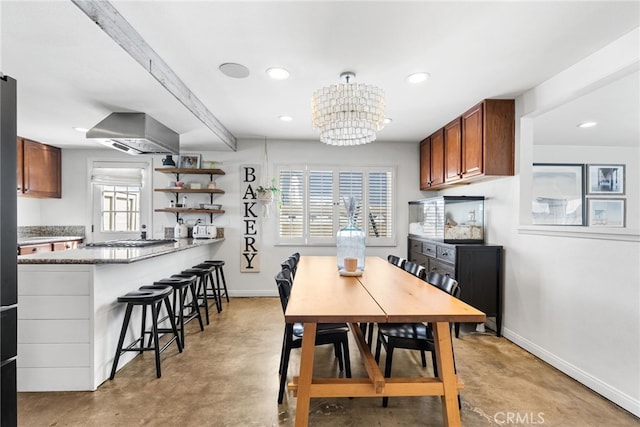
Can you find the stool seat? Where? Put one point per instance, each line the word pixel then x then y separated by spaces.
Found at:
pixel 146 295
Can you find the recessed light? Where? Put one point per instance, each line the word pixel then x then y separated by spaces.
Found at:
pixel 231 69
pixel 85 130
pixel 285 118
pixel 277 73
pixel 417 77
pixel 587 124
pixel 387 120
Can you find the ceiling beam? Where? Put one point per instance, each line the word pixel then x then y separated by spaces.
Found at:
pixel 111 22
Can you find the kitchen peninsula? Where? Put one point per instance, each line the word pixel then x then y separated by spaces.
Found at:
pixel 69 318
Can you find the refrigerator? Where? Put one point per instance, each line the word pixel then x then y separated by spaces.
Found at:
pixel 8 254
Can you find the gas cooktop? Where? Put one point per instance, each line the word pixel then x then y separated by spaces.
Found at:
pixel 132 243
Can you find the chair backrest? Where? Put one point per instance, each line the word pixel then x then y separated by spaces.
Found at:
pixel 283 282
pixel 415 269
pixel 290 264
pixel 397 261
pixel 445 283
pixel 296 256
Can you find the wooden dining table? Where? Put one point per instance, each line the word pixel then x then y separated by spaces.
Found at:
pixel 383 293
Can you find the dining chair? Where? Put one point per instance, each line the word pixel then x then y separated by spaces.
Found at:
pixel 327 333
pixel 397 261
pixel 415 269
pixel 412 336
pixel 446 283
pixel 291 265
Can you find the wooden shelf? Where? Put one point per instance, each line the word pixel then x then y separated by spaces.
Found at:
pixel 190 210
pixel 190 190
pixel 191 171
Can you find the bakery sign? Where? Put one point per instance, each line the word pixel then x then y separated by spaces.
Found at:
pixel 250 245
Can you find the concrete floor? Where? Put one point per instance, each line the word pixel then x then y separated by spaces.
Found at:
pixel 228 376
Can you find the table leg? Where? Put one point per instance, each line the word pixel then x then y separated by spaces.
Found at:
pixel 446 372
pixel 306 374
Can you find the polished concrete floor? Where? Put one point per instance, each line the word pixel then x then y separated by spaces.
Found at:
pixel 228 376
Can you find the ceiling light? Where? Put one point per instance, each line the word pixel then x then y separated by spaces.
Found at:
pixel 387 120
pixel 418 77
pixel 587 124
pixel 231 69
pixel 285 118
pixel 278 73
pixel 84 130
pixel 348 113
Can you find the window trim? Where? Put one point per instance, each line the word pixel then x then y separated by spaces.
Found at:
pixel 306 240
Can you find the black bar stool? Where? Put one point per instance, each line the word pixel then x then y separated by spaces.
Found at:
pixel 152 296
pixel 219 264
pixel 214 291
pixel 203 273
pixel 181 285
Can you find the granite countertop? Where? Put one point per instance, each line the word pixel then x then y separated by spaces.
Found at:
pixel 47 239
pixel 92 255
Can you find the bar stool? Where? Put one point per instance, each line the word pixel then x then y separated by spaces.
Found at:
pixel 146 297
pixel 181 285
pixel 203 274
pixel 214 289
pixel 219 264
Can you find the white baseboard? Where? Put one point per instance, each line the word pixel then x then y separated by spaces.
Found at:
pixel 616 396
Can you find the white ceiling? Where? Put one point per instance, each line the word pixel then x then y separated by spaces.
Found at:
pixel 70 73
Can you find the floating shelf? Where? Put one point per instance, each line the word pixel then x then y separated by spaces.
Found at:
pixel 190 210
pixel 191 171
pixel 190 190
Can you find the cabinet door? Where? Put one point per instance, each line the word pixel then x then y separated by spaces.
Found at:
pixel 19 162
pixel 63 246
pixel 472 142
pixel 41 170
pixel 478 273
pixel 437 158
pixel 425 164
pixel 453 151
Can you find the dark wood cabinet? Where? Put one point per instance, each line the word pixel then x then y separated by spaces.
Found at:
pixel 477 145
pixel 39 171
pixel 453 151
pixel 477 268
pixel 37 248
pixel 432 161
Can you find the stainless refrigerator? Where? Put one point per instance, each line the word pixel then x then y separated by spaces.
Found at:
pixel 8 253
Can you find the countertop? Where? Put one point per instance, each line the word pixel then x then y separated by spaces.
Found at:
pixel 94 255
pixel 47 239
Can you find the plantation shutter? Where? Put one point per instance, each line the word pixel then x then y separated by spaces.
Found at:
pixel 291 216
pixel 380 205
pixel 320 204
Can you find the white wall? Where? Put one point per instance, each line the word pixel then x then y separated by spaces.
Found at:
pixel 572 296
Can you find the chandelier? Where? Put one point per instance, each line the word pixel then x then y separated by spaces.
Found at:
pixel 348 113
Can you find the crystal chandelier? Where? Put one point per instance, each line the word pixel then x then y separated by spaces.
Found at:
pixel 348 113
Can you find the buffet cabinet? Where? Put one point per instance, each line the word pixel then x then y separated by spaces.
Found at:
pixel 476 267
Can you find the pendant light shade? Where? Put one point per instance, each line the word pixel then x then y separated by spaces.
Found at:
pixel 348 113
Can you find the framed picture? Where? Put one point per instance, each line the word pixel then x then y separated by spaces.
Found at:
pixel 189 161
pixel 605 179
pixel 606 212
pixel 557 194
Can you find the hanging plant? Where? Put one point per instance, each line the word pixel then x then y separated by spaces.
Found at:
pixel 267 193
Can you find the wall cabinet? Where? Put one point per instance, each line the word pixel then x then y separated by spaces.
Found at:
pixel 177 192
pixel 432 161
pixel 477 268
pixel 39 169
pixel 477 145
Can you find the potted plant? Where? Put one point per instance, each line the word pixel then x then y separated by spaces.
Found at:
pixel 266 193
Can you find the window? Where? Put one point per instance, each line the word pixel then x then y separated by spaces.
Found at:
pixel 312 207
pixel 120 199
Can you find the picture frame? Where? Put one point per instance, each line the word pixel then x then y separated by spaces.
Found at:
pixel 607 212
pixel 557 194
pixel 605 179
pixel 189 161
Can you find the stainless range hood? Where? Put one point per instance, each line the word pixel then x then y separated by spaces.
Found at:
pixel 135 133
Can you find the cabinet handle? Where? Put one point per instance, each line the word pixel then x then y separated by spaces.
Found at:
pixel 34 249
pixel 445 253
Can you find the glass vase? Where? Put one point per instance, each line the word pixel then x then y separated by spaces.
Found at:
pixel 351 244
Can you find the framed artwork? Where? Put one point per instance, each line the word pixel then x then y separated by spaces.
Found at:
pixel 189 161
pixel 605 179
pixel 557 194
pixel 606 212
